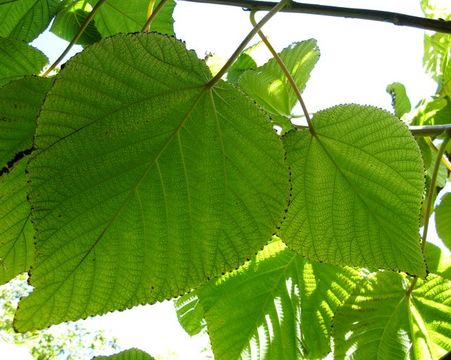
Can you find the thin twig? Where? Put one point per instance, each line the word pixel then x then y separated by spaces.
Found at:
pixel 287 73
pixel 76 37
pixel 429 201
pixel 429 130
pixel 363 14
pixel 152 16
pixel 280 5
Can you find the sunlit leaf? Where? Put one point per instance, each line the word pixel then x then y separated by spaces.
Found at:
pixel 438 261
pixel 18 59
pixel 118 16
pixel 379 321
pixel 278 306
pixel 145 183
pixel 356 191
pixel 400 100
pixel 268 84
pixel 130 354
pixel 26 19
pixel 69 20
pixel 443 219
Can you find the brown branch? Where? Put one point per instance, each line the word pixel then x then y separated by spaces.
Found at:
pixel 363 14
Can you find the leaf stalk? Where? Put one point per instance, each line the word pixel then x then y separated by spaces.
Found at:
pixel 152 13
pixel 286 72
pixel 278 6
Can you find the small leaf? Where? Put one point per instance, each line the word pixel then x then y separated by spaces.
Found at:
pixel 69 20
pixel 190 313
pixel 438 260
pixel 357 187
pixel 18 59
pixel 20 103
pixel 118 16
pixel 268 84
pixel 443 219
pixel 130 354
pixel 243 63
pixel 400 100
pixel 145 182
pixel 26 19
pixel 278 306
pixel 380 322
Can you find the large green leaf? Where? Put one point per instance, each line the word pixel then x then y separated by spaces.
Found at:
pixel 26 19
pixel 379 321
pixel 443 219
pixel 18 59
pixel 130 354
pixel 20 103
pixel 356 191
pixel 146 181
pixel 69 20
pixel 268 84
pixel 16 231
pixel 278 306
pixel 118 16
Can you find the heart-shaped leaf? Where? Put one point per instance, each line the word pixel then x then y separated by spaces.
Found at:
pixel 146 181
pixel 356 191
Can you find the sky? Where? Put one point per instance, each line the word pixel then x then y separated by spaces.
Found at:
pixel 358 60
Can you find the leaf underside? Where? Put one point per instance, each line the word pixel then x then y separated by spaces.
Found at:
pixel 130 354
pixel 278 306
pixel 356 191
pixel 146 182
pixel 443 219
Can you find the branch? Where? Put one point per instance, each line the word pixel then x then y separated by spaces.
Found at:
pixel 363 14
pixel 429 130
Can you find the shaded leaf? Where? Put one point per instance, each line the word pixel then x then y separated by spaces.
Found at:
pixel 243 63
pixel 20 103
pixel 278 306
pixel 268 84
pixel 69 20
pixel 26 19
pixel 443 219
pixel 146 182
pixel 130 354
pixel 18 59
pixel 118 16
pixel 356 191
pixel 190 313
pixel 16 231
pixel 400 100
pixel 380 322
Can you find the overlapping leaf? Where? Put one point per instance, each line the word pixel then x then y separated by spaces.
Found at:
pixel 146 181
pixel 278 306
pixel 130 354
pixel 268 84
pixel 379 321
pixel 118 16
pixel 400 100
pixel 20 102
pixel 443 219
pixel 18 59
pixel 356 191
pixel 69 20
pixel 26 19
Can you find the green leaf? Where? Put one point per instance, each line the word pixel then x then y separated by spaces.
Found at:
pixel 118 16
pixel 190 313
pixel 268 84
pixel 18 59
pixel 356 191
pixel 146 182
pixel 243 63
pixel 20 103
pixel 380 322
pixel 16 231
pixel 443 219
pixel 130 354
pixel 437 57
pixel 400 100
pixel 277 306
pixel 69 20
pixel 438 261
pixel 26 19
